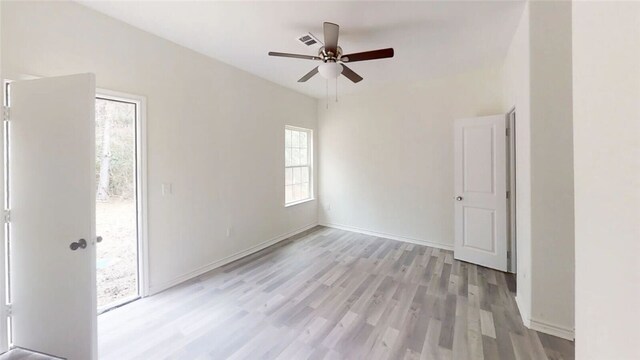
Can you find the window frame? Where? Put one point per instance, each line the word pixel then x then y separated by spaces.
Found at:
pixel 309 165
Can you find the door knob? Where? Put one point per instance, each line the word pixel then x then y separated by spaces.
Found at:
pixel 82 243
pixel 99 239
pixel 459 198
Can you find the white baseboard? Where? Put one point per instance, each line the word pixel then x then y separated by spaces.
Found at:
pixel 545 327
pixel 218 263
pixel 552 329
pixel 389 236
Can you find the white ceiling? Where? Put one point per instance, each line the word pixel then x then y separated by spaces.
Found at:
pixel 430 38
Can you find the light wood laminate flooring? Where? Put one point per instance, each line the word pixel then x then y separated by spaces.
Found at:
pixel 332 294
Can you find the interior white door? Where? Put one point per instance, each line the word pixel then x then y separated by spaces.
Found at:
pixel 480 191
pixel 52 202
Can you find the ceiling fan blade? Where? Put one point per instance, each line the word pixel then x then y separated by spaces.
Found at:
pixel 331 31
pixel 295 56
pixel 368 55
pixel 350 74
pixel 309 75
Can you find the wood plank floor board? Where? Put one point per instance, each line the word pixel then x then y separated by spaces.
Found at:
pixel 332 294
pixel 490 348
pixel 382 344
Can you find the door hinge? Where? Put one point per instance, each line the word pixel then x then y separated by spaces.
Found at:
pixel 508 254
pixel 507 194
pixel 8 310
pixel 6 113
pixel 6 216
pixel 507 131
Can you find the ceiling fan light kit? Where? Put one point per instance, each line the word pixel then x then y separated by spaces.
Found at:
pixel 330 70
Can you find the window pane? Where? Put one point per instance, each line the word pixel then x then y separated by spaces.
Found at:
pixel 296 192
pixel 288 176
pixel 295 138
pixel 298 165
pixel 297 175
pixel 287 157
pixel 288 194
pixel 287 138
pixel 303 139
pixel 295 156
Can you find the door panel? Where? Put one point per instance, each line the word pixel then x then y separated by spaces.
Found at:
pixel 52 195
pixel 478 159
pixel 480 191
pixel 479 229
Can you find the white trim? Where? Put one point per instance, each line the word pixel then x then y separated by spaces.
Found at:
pixel 141 180
pixel 390 236
pixel 218 263
pixel 298 202
pixel 297 128
pixel 4 273
pixel 552 329
pixel 545 327
pixel 513 191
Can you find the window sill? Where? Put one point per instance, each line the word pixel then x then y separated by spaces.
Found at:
pixel 299 202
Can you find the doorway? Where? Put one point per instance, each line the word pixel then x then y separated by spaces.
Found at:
pixel 511 188
pixel 119 200
pixel 485 191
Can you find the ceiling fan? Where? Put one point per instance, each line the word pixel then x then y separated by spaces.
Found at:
pixel 333 59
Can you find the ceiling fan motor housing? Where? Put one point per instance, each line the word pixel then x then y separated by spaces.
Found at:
pixel 330 55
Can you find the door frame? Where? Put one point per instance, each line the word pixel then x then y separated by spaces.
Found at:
pixel 511 187
pixel 5 340
pixel 141 183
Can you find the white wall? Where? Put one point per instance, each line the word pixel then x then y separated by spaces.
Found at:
pixel 552 219
pixel 216 133
pixel 516 83
pixel 386 162
pixel 606 98
pixel 537 81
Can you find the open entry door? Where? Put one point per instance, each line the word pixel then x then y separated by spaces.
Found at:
pixel 51 178
pixel 481 191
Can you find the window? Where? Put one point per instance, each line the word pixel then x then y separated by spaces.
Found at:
pixel 297 172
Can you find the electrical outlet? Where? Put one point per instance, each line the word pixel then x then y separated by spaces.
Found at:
pixel 229 232
pixel 166 189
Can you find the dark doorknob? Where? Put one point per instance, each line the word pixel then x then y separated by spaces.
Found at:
pixel 459 198
pixel 82 243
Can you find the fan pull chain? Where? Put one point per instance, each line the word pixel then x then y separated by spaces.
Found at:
pixel 327 94
pixel 336 89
